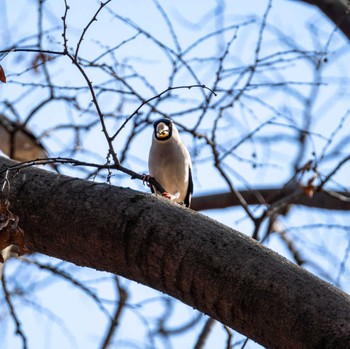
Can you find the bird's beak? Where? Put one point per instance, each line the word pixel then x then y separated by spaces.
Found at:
pixel 162 130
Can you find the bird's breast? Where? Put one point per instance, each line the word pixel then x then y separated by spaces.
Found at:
pixel 170 166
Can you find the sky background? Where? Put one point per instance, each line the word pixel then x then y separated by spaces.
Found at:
pixel 56 314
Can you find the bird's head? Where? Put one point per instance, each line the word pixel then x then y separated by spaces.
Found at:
pixel 163 129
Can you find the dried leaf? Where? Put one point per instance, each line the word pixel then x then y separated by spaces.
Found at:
pixel 310 182
pixel 307 166
pixel 39 59
pixel 309 190
pixel 10 231
pixel 2 75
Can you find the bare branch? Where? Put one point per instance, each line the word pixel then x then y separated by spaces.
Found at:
pixel 204 334
pixel 147 239
pixel 321 199
pixel 336 10
pixel 19 330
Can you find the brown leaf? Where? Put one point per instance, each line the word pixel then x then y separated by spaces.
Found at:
pixel 310 182
pixel 306 167
pixel 2 75
pixel 10 231
pixel 309 190
pixel 39 59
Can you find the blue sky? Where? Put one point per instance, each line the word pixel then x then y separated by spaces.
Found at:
pixel 290 24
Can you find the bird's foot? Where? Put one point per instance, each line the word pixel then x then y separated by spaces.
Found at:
pixel 145 179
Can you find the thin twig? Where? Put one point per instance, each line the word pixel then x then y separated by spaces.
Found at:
pixel 19 330
pixel 203 336
pixel 121 302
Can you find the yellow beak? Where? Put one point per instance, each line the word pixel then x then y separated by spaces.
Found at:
pixel 162 130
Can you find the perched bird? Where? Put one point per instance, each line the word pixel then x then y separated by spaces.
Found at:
pixel 170 163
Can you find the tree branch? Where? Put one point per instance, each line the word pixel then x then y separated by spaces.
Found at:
pixel 322 199
pixel 337 11
pixel 180 252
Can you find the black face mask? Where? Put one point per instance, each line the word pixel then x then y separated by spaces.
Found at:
pixel 167 122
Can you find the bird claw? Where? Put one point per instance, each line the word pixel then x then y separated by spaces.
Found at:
pixel 145 178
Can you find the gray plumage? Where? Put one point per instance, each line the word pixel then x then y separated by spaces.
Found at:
pixel 170 162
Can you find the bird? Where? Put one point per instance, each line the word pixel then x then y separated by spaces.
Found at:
pixel 170 163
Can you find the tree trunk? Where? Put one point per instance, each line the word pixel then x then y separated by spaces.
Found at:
pixel 180 252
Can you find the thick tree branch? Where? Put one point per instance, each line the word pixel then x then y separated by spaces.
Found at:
pixel 322 199
pixel 337 11
pixel 180 252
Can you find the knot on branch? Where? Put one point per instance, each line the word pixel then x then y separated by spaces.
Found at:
pixel 10 231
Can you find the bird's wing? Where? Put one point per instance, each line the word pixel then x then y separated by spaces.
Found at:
pixel 188 197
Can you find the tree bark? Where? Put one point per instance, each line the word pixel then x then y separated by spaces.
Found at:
pixel 193 258
pixel 290 195
pixel 337 11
